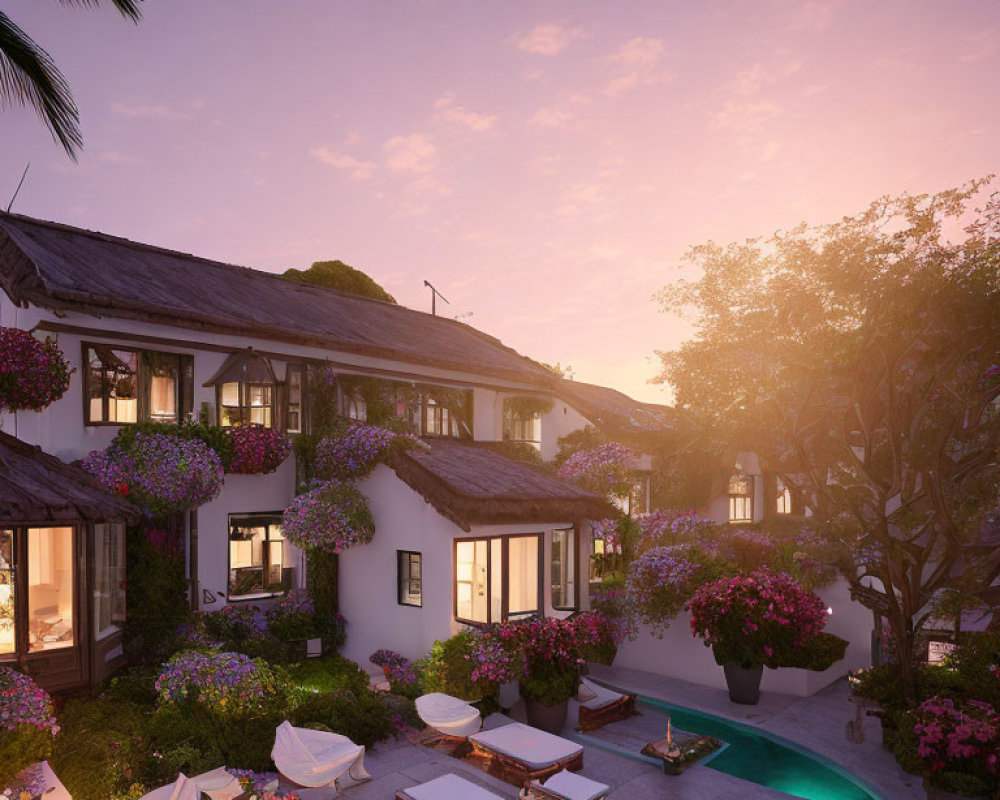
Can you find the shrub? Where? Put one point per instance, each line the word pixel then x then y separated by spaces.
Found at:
pixel 331 518
pixel 325 674
pixel 604 469
pixel 258 450
pixel 755 619
pixel 817 653
pixel 659 583
pixel 600 636
pixel 27 723
pixel 227 684
pixel 33 374
pixel 455 666
pixel 293 617
pixel 361 715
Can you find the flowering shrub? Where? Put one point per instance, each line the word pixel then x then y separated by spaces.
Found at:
pixel 387 659
pixel 664 526
pixel 355 452
pixel 746 549
pixel 332 518
pixel 32 373
pixel 604 469
pixel 30 782
pixel 258 450
pixel 223 683
pixel 608 530
pixel 161 474
pixel 756 618
pixel 660 582
pixel 237 623
pixel 293 617
pixel 27 724
pixel 493 663
pixel 599 636
pixel 958 739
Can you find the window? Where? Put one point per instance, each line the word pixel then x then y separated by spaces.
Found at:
pixel 109 577
pixel 497 578
pixel 50 588
pixel 740 497
pixel 258 563
pixel 8 583
pixel 293 398
pixel 523 428
pixel 437 419
pixel 564 560
pixel 245 389
pixel 126 386
pixel 783 501
pixel 408 578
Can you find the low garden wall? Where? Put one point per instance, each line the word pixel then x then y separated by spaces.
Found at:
pixel 680 655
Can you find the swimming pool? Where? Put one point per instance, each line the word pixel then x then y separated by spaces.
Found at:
pixel 761 757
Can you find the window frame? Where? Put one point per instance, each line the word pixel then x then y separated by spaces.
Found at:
pixel 183 391
pixel 407 557
pixel 746 497
pixel 267 519
pixel 504 577
pixel 290 368
pixel 574 540
pixel 117 597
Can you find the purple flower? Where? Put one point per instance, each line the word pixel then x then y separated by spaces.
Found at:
pixel 33 374
pixel 23 702
pixel 605 468
pixel 356 451
pixel 258 450
pixel 332 518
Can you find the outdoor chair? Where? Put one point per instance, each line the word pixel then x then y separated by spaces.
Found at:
pixel 447 787
pixel 448 716
pixel 219 784
pixel 600 706
pixel 519 754
pixel 567 786
pixel 181 789
pixel 317 758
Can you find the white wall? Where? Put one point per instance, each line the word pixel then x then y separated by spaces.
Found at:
pixel 680 655
pixel 562 419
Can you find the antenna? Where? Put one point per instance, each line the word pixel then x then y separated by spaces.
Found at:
pixel 19 183
pixel 435 294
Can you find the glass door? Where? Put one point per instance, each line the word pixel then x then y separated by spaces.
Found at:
pixel 8 584
pixel 51 588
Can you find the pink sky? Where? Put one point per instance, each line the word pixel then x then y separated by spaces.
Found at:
pixel 545 165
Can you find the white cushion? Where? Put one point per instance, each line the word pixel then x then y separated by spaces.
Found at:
pixel 450 787
pixel 316 758
pixel 529 745
pixel 219 784
pixel 181 789
pixel 601 696
pixel 575 787
pixel 448 714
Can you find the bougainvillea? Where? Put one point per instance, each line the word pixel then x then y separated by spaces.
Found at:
pixel 332 518
pixel 23 702
pixel 356 450
pixel 605 469
pixel 224 683
pixel 660 582
pixel 956 738
pixel 387 659
pixel 32 373
pixel 756 618
pixel 665 526
pixel 159 473
pixel 258 450
pixel 293 617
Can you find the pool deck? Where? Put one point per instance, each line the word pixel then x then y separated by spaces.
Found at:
pixel 818 723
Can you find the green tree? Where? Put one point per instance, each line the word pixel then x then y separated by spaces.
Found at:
pixel 338 275
pixel 29 77
pixel 859 359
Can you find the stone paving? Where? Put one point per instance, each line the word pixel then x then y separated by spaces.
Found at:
pixel 818 722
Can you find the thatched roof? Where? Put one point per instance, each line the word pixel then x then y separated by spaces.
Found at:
pixel 60 267
pixel 471 484
pixel 39 489
pixel 615 412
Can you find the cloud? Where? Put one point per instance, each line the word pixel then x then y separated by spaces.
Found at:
pixel 551 118
pixel 147 111
pixel 546 39
pixel 446 111
pixel 359 170
pixel 413 153
pixel 745 116
pixel 639 51
pixel 980 45
pixel 754 78
pixel 640 56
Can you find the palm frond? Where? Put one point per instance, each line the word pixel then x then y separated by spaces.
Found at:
pixel 29 77
pixel 127 8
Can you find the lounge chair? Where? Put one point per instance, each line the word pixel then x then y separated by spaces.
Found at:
pixel 217 784
pixel 181 789
pixel 448 716
pixel 600 706
pixel 447 787
pixel 519 753
pixel 317 758
pixel 567 786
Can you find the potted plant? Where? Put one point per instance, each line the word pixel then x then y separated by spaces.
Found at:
pixel 957 743
pixel 33 374
pixel 751 621
pixel 257 450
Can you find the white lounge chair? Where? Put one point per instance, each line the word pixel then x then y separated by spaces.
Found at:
pixel 447 787
pixel 568 786
pixel 519 753
pixel 317 758
pixel 448 715
pixel 600 706
pixel 181 789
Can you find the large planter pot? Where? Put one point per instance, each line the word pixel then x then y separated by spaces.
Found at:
pixel 941 794
pixel 743 683
pixel 547 718
pixel 508 694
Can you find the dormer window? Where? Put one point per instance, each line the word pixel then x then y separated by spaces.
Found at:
pixel 740 496
pixel 245 389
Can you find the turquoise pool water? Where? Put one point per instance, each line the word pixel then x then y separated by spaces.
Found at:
pixel 765 759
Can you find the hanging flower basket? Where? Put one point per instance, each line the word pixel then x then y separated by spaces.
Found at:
pixel 33 374
pixel 258 450
pixel 159 473
pixel 332 518
pixel 356 451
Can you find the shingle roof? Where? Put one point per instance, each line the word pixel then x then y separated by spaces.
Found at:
pixel 615 411
pixel 58 266
pixel 37 489
pixel 471 484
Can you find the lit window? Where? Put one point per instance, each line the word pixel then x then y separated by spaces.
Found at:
pixel 127 386
pixel 564 569
pixel 783 502
pixel 740 497
pixel 109 577
pixel 112 388
pixel 437 419
pixel 51 588
pixel 245 390
pixel 523 428
pixel 293 398
pixel 8 642
pixel 409 578
pixel 257 558
pixel 481 594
